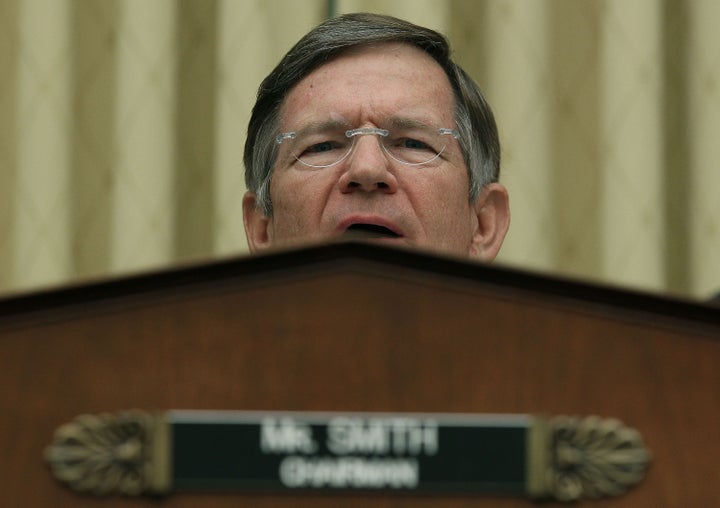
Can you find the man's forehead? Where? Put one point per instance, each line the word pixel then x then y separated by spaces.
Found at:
pixel 372 82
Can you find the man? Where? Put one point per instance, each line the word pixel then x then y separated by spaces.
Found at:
pixel 367 129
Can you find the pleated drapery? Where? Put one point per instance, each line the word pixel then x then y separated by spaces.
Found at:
pixel 122 125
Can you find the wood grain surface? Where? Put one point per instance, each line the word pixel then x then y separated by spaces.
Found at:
pixel 359 329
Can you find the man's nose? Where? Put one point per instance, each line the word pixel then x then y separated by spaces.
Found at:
pixel 368 168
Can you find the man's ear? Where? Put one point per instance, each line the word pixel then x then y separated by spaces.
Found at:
pixel 492 211
pixel 256 224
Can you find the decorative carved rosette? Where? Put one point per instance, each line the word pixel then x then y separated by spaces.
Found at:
pixel 594 458
pixel 108 454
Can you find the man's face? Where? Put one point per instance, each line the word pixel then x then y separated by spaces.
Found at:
pixel 369 195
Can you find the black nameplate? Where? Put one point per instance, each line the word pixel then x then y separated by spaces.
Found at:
pixel 349 451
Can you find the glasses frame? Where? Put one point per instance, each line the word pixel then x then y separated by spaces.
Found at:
pixel 354 134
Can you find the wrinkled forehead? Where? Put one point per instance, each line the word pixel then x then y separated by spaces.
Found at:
pixel 370 84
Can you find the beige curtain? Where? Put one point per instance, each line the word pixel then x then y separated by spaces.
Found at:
pixel 122 125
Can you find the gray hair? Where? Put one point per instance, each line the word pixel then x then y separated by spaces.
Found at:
pixel 478 138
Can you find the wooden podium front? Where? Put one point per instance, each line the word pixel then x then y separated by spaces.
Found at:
pixel 359 328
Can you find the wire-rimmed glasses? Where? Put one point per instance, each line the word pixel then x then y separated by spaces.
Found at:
pixel 408 142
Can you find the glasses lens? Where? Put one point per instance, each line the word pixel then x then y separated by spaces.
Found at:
pixel 322 148
pixel 415 145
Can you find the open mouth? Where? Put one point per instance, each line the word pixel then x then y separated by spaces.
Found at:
pixel 369 231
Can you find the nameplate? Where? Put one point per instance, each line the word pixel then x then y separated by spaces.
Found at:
pixel 390 452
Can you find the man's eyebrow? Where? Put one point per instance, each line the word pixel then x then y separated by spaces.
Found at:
pixel 402 122
pixel 321 126
pixel 394 122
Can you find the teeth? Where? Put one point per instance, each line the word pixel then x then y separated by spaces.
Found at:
pixel 369 231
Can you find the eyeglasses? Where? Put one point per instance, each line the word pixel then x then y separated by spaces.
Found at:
pixel 323 146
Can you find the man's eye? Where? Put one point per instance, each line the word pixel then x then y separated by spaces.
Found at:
pixel 414 144
pixel 320 147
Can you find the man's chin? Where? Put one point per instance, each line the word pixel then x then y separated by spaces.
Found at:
pixel 378 237
pixel 349 236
